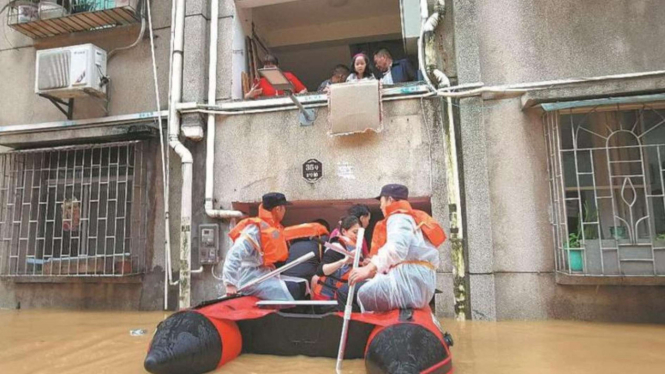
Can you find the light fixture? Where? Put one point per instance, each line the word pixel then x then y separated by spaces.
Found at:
pixel 280 82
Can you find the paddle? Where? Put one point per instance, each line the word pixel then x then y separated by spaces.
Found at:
pixel 349 305
pixel 258 280
pixel 337 248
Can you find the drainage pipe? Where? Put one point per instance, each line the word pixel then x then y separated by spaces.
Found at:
pixel 177 35
pixel 210 140
pixel 429 25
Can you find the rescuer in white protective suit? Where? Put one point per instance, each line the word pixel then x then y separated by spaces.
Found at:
pixel 258 243
pixel 404 258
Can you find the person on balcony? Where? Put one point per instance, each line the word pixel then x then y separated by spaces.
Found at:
pixel 401 272
pixel 361 68
pixel 263 88
pixel 259 243
pixel 391 72
pixel 339 75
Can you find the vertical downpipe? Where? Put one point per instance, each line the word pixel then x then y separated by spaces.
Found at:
pixel 184 299
pixel 427 57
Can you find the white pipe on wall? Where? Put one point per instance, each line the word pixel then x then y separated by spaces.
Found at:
pixel 210 141
pixel 178 35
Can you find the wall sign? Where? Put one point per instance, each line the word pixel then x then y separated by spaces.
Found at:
pixel 312 170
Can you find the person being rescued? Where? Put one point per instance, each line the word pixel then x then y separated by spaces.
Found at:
pixel 401 272
pixel 303 239
pixel 258 243
pixel 334 269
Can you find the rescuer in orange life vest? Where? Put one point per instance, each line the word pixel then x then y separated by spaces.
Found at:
pixel 258 243
pixel 404 257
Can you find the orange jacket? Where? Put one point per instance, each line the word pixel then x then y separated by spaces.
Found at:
pixel 431 229
pixel 273 244
pixel 305 230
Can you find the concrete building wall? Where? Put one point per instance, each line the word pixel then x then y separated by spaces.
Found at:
pixel 131 91
pixel 527 41
pixel 510 246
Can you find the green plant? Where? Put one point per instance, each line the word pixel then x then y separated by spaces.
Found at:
pixel 661 236
pixel 573 241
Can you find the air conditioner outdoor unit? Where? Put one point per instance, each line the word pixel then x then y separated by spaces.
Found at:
pixel 71 72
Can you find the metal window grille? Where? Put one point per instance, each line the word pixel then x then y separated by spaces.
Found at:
pixel 73 211
pixel 607 185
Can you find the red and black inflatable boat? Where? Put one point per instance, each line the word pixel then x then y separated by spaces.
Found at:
pixel 203 339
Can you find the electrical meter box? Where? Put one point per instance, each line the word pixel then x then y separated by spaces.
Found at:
pixel 209 244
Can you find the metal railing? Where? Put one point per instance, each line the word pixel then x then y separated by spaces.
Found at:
pixel 46 18
pixel 607 186
pixel 73 211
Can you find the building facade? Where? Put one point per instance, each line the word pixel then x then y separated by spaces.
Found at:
pixel 560 178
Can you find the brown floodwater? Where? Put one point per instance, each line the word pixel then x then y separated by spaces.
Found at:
pixel 100 342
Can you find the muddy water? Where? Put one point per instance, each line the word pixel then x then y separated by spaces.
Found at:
pixel 93 342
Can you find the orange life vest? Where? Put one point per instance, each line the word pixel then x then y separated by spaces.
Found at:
pixel 431 229
pixel 273 245
pixel 305 230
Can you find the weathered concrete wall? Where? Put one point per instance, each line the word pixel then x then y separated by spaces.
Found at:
pixel 510 248
pixel 265 152
pixel 131 91
pixel 526 41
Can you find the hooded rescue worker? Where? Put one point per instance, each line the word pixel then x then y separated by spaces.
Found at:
pixel 404 257
pixel 258 243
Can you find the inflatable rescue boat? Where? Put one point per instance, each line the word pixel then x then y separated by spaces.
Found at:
pixel 206 337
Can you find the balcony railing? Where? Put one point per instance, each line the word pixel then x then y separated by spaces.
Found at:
pixel 43 19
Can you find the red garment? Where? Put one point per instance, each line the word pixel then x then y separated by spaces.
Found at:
pixel 269 90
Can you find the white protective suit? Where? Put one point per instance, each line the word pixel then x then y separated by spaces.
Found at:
pixel 396 284
pixel 244 264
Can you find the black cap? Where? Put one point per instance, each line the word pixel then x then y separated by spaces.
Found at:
pixel 396 191
pixel 274 199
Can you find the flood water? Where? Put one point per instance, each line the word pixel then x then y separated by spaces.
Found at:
pixel 100 342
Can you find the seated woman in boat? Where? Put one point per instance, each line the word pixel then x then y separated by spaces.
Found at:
pixel 335 267
pixel 258 243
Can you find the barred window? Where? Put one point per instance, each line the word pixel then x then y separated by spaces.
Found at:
pixel 607 170
pixel 73 211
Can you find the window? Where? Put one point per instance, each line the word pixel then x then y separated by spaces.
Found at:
pixel 607 170
pixel 311 37
pixel 73 211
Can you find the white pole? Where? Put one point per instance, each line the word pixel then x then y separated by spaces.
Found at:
pixel 349 304
pixel 276 272
pixel 210 140
pixel 178 35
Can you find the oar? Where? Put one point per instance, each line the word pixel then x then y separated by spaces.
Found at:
pixel 337 248
pixel 258 280
pixel 349 304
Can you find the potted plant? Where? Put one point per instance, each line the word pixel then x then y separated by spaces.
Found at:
pixel 574 251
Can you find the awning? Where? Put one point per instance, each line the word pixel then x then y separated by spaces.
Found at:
pixel 591 103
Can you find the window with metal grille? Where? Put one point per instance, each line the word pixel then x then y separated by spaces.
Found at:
pixel 73 211
pixel 607 170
